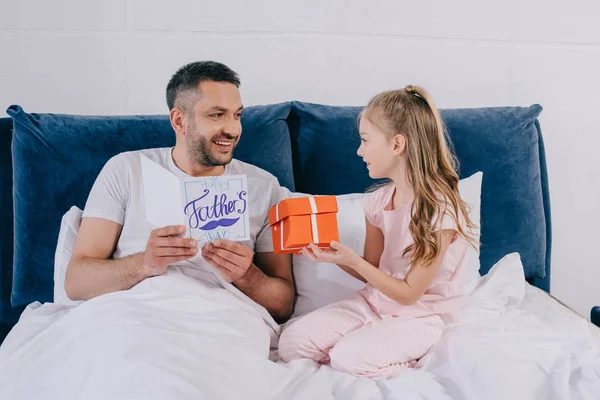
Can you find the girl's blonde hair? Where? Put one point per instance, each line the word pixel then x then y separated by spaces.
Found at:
pixel 431 166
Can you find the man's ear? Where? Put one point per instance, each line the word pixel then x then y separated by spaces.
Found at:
pixel 178 121
pixel 399 143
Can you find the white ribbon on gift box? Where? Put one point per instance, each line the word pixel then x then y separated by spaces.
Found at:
pixel 313 222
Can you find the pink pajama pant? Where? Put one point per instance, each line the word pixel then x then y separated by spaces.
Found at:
pixel 354 339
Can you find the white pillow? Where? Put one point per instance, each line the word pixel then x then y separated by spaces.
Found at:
pixel 69 228
pixel 319 284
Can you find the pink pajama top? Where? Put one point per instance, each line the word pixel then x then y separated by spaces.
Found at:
pixel 446 294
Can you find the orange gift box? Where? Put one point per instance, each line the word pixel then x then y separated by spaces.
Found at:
pixel 297 222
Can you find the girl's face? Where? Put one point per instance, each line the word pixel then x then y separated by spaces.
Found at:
pixel 378 150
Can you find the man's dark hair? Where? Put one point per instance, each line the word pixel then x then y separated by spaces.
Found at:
pixel 188 77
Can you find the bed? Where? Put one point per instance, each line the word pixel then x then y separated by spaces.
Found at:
pixel 179 338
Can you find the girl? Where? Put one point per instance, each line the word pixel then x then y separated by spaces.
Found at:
pixel 415 248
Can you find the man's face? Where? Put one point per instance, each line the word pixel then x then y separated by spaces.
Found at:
pixel 214 126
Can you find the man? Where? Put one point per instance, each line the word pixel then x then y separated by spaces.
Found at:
pixel 116 247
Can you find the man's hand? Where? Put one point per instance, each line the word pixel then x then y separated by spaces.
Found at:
pixel 164 248
pixel 232 259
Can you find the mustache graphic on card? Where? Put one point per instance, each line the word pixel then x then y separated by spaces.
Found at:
pixel 225 222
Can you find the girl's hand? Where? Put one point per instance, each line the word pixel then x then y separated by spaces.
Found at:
pixel 336 254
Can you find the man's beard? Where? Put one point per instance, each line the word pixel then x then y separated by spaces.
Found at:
pixel 199 149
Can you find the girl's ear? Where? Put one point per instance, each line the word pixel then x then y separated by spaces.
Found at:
pixel 399 143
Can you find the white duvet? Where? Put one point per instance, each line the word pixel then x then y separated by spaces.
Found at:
pixel 175 337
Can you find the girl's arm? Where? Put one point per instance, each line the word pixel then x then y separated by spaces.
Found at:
pixel 404 291
pixel 352 272
pixel 373 244
pixel 409 290
pixel 372 250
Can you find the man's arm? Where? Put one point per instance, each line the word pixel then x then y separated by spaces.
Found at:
pixel 269 282
pixel 92 273
pixel 265 277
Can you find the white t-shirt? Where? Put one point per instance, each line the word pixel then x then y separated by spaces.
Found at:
pixel 118 195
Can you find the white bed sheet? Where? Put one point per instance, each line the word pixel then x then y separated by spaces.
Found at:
pixel 174 337
pixel 548 308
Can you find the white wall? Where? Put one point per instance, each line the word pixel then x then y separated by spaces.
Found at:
pixel 116 56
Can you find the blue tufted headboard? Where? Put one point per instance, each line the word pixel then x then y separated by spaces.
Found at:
pixel 8 316
pixel 310 148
